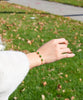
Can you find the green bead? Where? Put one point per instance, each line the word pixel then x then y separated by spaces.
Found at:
pixel 41 59
pixel 37 52
pixel 40 56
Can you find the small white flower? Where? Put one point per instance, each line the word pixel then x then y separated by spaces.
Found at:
pixel 32 17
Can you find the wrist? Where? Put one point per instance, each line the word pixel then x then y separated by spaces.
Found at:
pixel 35 59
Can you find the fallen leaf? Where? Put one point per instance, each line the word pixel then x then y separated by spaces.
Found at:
pixel 61 77
pixel 19 38
pixel 79 50
pixel 14 30
pixel 66 81
pixel 26 51
pixel 4 31
pixel 43 97
pixel 59 86
pixel 54 99
pixel 63 91
pixel 23 39
pixel 43 78
pixel 44 83
pixel 60 73
pixel 23 90
pixel 80 79
pixel 66 75
pixel 75 37
pixel 41 23
pixel 38 36
pixel 67 99
pixel 23 82
pixel 72 98
pixel 42 40
pixel 76 33
pixel 35 29
pixel 15 98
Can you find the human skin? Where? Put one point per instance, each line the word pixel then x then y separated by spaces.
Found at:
pixel 51 51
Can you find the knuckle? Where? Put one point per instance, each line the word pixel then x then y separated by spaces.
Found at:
pixel 64 39
pixel 53 41
pixel 68 49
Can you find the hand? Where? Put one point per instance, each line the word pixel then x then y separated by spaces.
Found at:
pixel 54 50
pixel 51 51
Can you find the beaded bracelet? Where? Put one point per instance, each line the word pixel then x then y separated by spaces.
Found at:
pixel 40 56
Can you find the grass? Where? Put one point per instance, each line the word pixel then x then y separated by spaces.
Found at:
pixel 70 2
pixel 26 29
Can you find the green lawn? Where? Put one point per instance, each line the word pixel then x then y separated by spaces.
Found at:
pixel 70 2
pixel 26 29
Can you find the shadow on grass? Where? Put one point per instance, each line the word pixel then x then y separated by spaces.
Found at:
pixel 4 0
pixel 5 12
pixel 73 15
pixel 9 12
pixel 45 0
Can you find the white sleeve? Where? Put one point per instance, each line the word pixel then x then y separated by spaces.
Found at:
pixel 14 66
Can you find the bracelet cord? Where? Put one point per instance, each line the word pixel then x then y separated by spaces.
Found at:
pixel 40 57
